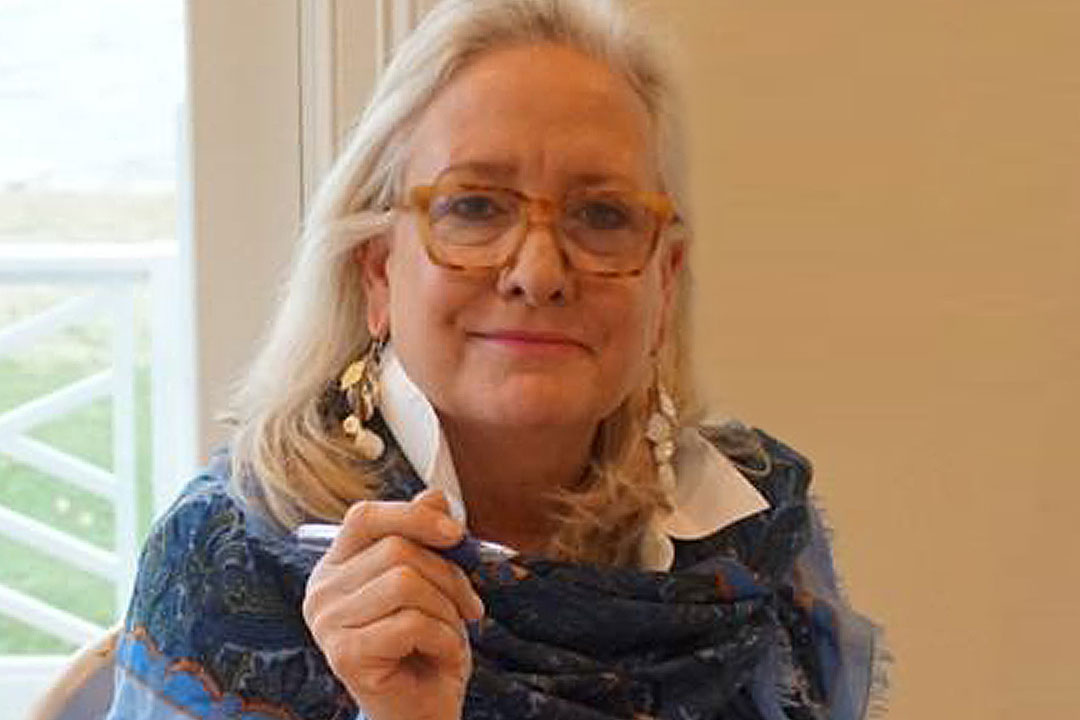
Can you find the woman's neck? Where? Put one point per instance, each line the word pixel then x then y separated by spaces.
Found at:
pixel 507 478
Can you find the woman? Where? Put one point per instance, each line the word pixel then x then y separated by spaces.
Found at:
pixel 482 332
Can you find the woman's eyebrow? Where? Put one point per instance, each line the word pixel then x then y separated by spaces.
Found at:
pixel 506 171
pixel 497 170
pixel 585 179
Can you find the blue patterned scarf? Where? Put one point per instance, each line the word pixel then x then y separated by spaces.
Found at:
pixel 748 624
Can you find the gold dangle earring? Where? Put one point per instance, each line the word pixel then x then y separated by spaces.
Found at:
pixel 360 386
pixel 660 431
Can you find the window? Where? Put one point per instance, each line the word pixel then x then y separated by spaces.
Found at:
pixel 117 198
pixel 91 95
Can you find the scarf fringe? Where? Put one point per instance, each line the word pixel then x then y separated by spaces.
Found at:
pixel 880 671
pixel 881 656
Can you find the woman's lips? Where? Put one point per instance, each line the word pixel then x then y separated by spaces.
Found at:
pixel 524 340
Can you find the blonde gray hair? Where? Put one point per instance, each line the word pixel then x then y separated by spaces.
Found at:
pixel 283 447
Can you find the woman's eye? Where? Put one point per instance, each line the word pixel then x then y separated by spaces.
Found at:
pixel 603 216
pixel 474 208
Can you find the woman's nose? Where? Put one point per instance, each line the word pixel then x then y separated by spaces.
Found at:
pixel 539 271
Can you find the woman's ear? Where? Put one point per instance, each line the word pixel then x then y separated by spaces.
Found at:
pixel 671 267
pixel 373 256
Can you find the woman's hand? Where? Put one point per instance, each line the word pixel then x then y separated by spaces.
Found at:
pixel 389 613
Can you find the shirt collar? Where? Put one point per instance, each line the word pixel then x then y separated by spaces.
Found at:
pixel 710 492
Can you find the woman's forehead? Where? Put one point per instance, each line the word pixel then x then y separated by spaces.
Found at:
pixel 539 111
pixel 508 171
pixel 565 167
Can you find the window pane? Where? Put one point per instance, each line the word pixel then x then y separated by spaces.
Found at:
pixel 90 103
pixel 89 93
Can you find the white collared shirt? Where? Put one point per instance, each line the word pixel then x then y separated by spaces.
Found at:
pixel 710 492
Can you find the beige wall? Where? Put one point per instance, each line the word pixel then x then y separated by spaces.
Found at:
pixel 888 274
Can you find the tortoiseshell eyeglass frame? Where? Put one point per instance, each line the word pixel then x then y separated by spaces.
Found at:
pixel 420 198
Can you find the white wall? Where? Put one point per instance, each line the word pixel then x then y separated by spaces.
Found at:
pixel 274 88
pixel 246 182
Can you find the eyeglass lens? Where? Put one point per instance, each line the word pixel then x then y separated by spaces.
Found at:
pixel 607 230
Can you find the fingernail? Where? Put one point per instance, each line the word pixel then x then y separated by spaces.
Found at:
pixel 449 529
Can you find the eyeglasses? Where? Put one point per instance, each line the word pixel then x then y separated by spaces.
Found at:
pixel 473 226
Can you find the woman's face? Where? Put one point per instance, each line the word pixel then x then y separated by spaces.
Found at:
pixel 535 343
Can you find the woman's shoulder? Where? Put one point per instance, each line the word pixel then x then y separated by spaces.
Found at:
pixel 212 537
pixel 207 521
pixel 767 541
pixel 217 599
pixel 206 500
pixel 778 471
pixel 212 511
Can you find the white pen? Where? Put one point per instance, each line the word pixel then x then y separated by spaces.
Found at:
pixel 468 554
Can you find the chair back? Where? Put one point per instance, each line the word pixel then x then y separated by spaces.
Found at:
pixel 85 686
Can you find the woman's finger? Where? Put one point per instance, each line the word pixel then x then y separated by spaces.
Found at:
pixel 424 520
pixel 374 653
pixel 395 551
pixel 399 588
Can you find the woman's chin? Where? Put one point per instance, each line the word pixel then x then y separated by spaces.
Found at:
pixel 534 405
